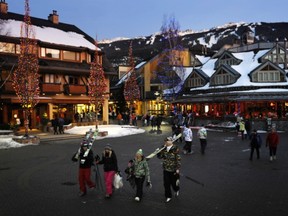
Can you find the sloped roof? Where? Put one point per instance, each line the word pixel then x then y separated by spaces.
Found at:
pixel 46 31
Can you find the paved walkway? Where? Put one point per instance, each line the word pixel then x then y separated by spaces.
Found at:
pixel 42 179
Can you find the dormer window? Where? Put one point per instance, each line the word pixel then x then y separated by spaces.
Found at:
pixel 268 72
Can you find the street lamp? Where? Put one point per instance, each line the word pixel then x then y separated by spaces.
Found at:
pixel 158 98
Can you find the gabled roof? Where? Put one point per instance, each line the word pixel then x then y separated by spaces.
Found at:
pixel 229 70
pixel 201 73
pixel 264 65
pixel 226 54
pixel 261 58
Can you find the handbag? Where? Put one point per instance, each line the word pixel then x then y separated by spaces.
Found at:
pixel 118 181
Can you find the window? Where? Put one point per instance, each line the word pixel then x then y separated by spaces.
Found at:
pixel 9 48
pixel 52 78
pixel 50 53
pixel 222 78
pixel 69 55
pixel 276 56
pixel 73 80
pixel 195 81
pixel 266 76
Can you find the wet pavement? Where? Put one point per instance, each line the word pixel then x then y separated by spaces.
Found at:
pixel 42 179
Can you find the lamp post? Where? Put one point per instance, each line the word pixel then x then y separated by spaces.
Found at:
pixel 158 98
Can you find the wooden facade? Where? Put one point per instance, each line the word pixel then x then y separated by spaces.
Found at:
pixel 64 69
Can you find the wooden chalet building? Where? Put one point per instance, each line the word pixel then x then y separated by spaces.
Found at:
pixel 248 81
pixel 152 100
pixel 65 53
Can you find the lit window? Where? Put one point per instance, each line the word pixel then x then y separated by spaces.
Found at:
pixel 69 55
pixel 50 53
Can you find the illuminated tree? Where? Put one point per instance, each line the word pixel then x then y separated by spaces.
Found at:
pixel 170 67
pixel 26 77
pixel 131 88
pixel 97 83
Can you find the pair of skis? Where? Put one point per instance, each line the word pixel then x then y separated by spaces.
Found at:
pixel 158 150
pixel 90 138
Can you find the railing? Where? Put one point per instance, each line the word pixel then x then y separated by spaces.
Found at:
pixel 51 88
pixel 75 89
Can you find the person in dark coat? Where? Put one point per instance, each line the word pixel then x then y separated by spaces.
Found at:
pixel 255 144
pixel 61 125
pixel 55 125
pixel 171 168
pixel 110 166
pixel 248 129
pixel 86 159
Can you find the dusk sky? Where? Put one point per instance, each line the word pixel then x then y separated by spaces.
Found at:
pixel 109 19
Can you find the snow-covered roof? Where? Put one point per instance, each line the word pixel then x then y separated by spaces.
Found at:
pixel 12 28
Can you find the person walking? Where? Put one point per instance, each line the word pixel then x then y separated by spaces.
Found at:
pixel 85 158
pixel 202 134
pixel 272 141
pixel 140 170
pixel 242 129
pixel 255 144
pixel 188 137
pixel 55 125
pixel 110 166
pixel 61 125
pixel 171 168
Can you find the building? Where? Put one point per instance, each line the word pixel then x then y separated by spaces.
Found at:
pixel 65 53
pixel 156 75
pixel 249 81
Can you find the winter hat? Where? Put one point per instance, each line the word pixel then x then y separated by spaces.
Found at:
pixel 108 146
pixel 140 152
pixel 169 138
pixel 84 143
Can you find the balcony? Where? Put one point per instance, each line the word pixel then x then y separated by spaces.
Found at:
pixel 75 89
pixel 51 88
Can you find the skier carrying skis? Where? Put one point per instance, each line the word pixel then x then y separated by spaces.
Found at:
pixel 85 158
pixel 110 166
pixel 171 165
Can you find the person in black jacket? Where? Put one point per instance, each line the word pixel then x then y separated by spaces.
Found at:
pixel 86 159
pixel 110 166
pixel 255 144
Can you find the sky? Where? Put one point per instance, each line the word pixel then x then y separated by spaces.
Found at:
pixel 110 19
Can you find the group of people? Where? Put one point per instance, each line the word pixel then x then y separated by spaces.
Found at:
pixel 58 125
pixel 187 135
pixel 272 141
pixel 137 169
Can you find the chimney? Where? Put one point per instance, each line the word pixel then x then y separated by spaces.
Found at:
pixel 3 7
pixel 54 18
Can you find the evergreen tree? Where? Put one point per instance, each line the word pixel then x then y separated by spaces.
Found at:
pixel 131 88
pixel 26 77
pixel 97 84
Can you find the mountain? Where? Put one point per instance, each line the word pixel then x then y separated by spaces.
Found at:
pixel 145 48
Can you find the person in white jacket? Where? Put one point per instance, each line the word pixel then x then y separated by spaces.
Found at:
pixel 202 134
pixel 188 137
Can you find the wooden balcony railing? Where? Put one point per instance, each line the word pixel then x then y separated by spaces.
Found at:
pixel 75 89
pixel 55 88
